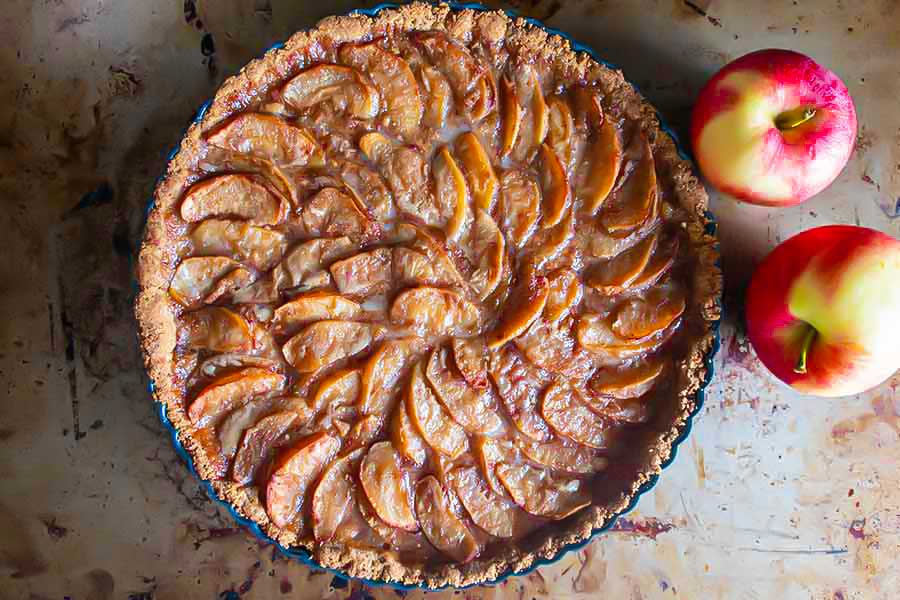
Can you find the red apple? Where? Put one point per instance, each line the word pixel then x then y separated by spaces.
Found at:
pixel 823 310
pixel 773 128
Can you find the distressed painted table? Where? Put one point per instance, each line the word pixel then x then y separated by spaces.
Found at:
pixel 773 496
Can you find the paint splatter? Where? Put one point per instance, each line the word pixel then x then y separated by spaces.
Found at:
pixel 857 528
pixel 650 528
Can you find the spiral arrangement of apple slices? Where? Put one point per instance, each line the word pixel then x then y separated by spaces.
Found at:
pixel 425 295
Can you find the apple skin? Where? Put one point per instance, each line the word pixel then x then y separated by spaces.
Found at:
pixel 742 151
pixel 844 282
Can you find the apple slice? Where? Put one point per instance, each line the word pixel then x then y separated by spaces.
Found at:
pixel 439 97
pixel 229 285
pixel 334 494
pixel 232 391
pixel 520 206
pixel 595 335
pixel 257 247
pixel 533 128
pixel 364 274
pixel 471 408
pixel 561 455
pixel 435 311
pixel 618 273
pixel 323 343
pixel 659 265
pixel 406 439
pixel 470 356
pixel 310 307
pixel 364 431
pixel 513 114
pixel 215 328
pixel 542 493
pixel 488 249
pixel 412 268
pixel 479 173
pixel 338 389
pixel 270 138
pixel 233 196
pixel 569 416
pixel 552 346
pixel 392 75
pixel 305 265
pixel 633 203
pixel 369 190
pixel 603 163
pixel 452 194
pixel 482 101
pixel 431 245
pixel 519 385
pixel 444 530
pixel 258 443
pixel 565 293
pixel 196 277
pixel 628 383
pixel 460 68
pixel 639 318
pixel 557 197
pixel 332 213
pixel 436 427
pixel 526 304
pixel 550 244
pixel 344 87
pixel 490 452
pixel 491 512
pixel 386 487
pixel 561 130
pixel 383 372
pixel 295 473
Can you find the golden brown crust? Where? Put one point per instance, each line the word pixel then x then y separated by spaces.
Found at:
pixel 156 317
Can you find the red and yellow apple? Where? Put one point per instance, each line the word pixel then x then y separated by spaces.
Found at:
pixel 823 310
pixel 773 128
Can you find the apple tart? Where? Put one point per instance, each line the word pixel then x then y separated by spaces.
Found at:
pixel 428 294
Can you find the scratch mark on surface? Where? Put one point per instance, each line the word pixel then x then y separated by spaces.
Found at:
pixel 72 22
pixel 650 528
pixel 71 374
pixel 798 551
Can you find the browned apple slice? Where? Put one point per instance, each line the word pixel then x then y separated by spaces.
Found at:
pixel 230 431
pixel 512 116
pixel 392 75
pixel 569 415
pixel 384 371
pixel 368 189
pixel 268 137
pixel 452 193
pixel 364 431
pixel 561 130
pixel 552 346
pixel 659 265
pixel 595 335
pixel 565 292
pixel 633 203
pixel 588 107
pixel 257 247
pixel 387 487
pixel 444 530
pixel 550 245
pixel 542 493
pixel 460 68
pixel 233 196
pixel 470 356
pixel 363 274
pixel 258 443
pixel 555 185
pixel 439 97
pixel 412 268
pixel 482 101
pixel 406 439
pixel 561 455
pixel 519 385
pixel 428 416
pixel 228 285
pixel 479 173
pixel 617 274
pixel 488 249
pixel 534 125
pixel 196 277
pixel 435 311
pixel 215 328
pixel 306 265
pixel 490 452
pixel 628 383
pixel 340 388
pixel 313 306
pixel 294 475
pixel 344 87
pixel 325 342
pixel 491 512
pixel 232 391
pixel 603 162
pixel 431 245
pixel 334 494
pixel 471 408
pixel 639 318
pixel 332 213
pixel 520 206
pixel 526 304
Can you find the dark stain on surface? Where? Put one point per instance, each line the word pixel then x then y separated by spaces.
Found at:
pixel 285 586
pixel 72 22
pixel 54 529
pixel 247 585
pixel 71 372
pixel 97 424
pixel 857 529
pixel 5 434
pixel 338 583
pixel 190 11
pixel 649 528
pixel 103 194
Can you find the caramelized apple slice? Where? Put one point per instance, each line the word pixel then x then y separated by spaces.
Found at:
pixel 444 530
pixel 435 311
pixel 470 356
pixel 512 116
pixel 377 147
pixel 617 274
pixel 405 438
pixel 258 247
pixel 325 342
pixel 595 335
pixel 368 189
pixel 268 137
pixel 230 431
pixel 229 285
pixel 633 203
pixel 533 129
pixel 232 391
pixel 428 243
pixel 364 274
pixel 459 67
pixel 471 408
pixel 436 427
pixel 520 206
pixel 604 161
pixel 338 389
pixel 639 318
pixel 392 75
pixel 334 495
pixel 196 277
pixel 386 487
pixel 364 431
pixel 561 455
pixel 452 194
pixel 542 493
pixel 479 173
pixel 344 87
pixel 407 172
pixel 488 249
pixel 313 306
pixel 555 185
pixel 439 97
pixel 305 266
pixel 565 292
pixel 295 473
pixel 569 416
pixel 549 245
pixel 234 196
pixel 384 371
pixel 490 452
pixel 484 99
pixel 519 385
pixel 332 213
pixel 491 512
pixel 412 268
pixel 258 443
pixel 526 304
pixel 560 130
pixel 552 346
pixel 215 328
pixel 627 383
pixel 659 265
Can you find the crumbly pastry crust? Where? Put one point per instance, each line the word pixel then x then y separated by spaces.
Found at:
pixel 157 319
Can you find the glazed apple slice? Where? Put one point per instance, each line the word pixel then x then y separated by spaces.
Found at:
pixel 235 196
pixel 392 75
pixel 435 311
pixel 444 530
pixel 557 197
pixel 483 100
pixel 471 408
pixel 617 274
pixel 344 87
pixel 232 391
pixel 490 452
pixel 488 249
pixel 561 130
pixel 431 245
pixel 633 203
pixel 325 342
pixel 452 193
pixel 520 206
pixel 639 318
pixel 545 248
pixel 552 346
pixel 311 307
pixel 332 213
pixel 407 174
pixel 428 416
pixel 215 328
pixel 412 268
pixel 257 247
pixel 519 385
pixel 334 495
pixel 569 416
pixel 439 97
pixel 541 492
pixel 628 383
pixel 479 173
pixel 565 293
pixel 270 138
pixel 491 512
pixel 462 71
pixel 470 356
pixel 384 371
pixel 294 475
pixel 533 128
pixel 406 439
pixel 196 277
pixel 258 443
pixel 338 389
pixel 229 285
pixel 512 116
pixel 595 335
pixel 659 265
pixel 305 266
pixel 368 189
pixel 386 487
pixel 603 162
pixel 560 455
pixel 364 431
pixel 525 305
pixel 363 274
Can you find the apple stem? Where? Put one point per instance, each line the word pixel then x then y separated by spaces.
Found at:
pixel 794 118
pixel 800 368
